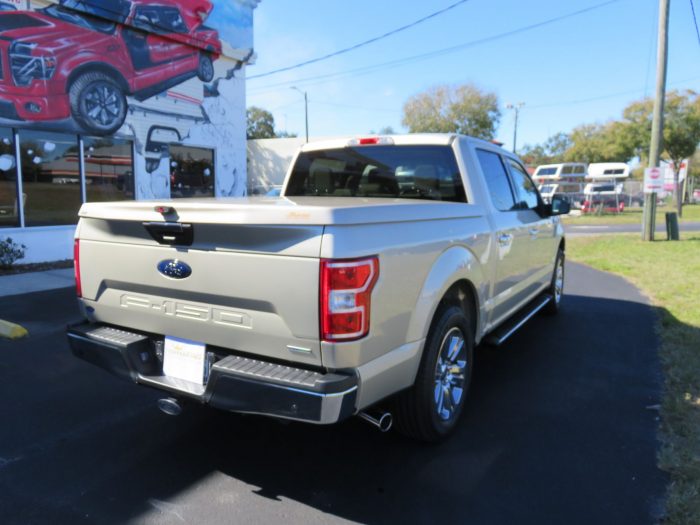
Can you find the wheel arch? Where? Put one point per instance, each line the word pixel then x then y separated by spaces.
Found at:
pixel 100 67
pixel 458 278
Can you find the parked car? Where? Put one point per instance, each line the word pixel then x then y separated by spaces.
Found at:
pixel 363 292
pixel 603 204
pixel 143 48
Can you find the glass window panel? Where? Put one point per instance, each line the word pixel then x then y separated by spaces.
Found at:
pixel 526 190
pixel 50 178
pixel 9 207
pixel 109 169
pixel 191 172
pixel 496 179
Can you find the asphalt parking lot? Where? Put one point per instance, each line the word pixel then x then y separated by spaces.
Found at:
pixel 560 428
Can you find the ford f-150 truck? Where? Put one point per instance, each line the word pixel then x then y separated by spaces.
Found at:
pixel 367 283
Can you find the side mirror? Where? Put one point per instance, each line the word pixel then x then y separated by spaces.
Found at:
pixel 559 206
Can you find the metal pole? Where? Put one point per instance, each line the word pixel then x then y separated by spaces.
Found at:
pixel 657 126
pixel 516 108
pixel 306 109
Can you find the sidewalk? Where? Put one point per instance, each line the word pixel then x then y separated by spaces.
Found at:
pixel 23 283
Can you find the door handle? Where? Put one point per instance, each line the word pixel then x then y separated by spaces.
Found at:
pixel 505 239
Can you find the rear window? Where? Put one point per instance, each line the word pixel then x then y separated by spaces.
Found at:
pixel 406 172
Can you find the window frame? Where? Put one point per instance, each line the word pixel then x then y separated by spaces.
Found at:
pixel 514 186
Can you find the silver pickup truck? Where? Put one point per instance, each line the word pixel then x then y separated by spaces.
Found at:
pixel 367 284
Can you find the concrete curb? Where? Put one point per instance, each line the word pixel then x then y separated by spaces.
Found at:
pixel 11 330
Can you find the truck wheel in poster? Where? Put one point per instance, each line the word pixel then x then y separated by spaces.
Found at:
pixel 205 71
pixel 430 409
pixel 97 103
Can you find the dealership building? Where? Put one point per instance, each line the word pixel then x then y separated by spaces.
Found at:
pixel 104 100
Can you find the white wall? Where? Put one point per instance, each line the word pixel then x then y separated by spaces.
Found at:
pixel 44 243
pixel 268 160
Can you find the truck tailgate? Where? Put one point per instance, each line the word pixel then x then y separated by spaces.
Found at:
pixel 252 288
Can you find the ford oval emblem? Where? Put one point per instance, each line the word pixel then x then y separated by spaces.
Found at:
pixel 174 269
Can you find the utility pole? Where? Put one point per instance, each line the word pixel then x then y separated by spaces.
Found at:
pixel 515 107
pixel 657 125
pixel 306 109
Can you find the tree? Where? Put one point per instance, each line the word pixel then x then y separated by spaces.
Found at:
pixel 681 135
pixel 550 152
pixel 462 109
pixel 599 143
pixel 681 131
pixel 261 124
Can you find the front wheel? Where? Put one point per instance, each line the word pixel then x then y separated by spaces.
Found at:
pixel 97 103
pixel 430 409
pixel 556 288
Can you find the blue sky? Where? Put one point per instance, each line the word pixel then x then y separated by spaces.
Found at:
pixel 583 69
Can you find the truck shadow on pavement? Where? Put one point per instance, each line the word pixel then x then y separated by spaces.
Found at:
pixel 557 430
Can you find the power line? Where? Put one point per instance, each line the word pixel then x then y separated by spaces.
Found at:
pixel 361 44
pixel 695 19
pixel 601 97
pixel 416 58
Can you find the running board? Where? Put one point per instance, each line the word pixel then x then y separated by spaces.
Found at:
pixel 503 332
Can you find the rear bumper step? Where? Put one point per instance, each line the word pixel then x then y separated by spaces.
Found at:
pixel 235 383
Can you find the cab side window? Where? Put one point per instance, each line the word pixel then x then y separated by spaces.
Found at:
pixel 526 192
pixel 496 178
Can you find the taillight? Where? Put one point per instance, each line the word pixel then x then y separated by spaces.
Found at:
pixel 346 294
pixel 76 267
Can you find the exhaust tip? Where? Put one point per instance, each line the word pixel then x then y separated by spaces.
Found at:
pixel 382 420
pixel 170 406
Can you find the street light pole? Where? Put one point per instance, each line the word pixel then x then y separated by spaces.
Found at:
pixel 306 109
pixel 657 126
pixel 516 108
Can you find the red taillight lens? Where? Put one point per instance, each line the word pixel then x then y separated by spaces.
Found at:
pixel 346 293
pixel 76 266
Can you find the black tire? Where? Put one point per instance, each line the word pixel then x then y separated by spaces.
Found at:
pixel 556 287
pixel 205 70
pixel 419 412
pixel 97 103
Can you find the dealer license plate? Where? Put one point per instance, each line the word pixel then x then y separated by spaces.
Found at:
pixel 184 359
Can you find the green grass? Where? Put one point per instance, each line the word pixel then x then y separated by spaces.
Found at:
pixel 691 212
pixel 669 273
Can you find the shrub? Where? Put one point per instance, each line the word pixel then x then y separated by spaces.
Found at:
pixel 10 252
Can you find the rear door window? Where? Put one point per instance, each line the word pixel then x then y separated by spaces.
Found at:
pixel 496 178
pixel 526 192
pixel 405 172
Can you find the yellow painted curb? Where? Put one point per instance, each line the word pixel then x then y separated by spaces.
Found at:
pixel 12 330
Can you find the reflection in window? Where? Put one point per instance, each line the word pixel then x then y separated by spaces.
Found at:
pixel 191 172
pixel 525 189
pixel 50 178
pixel 496 179
pixel 9 207
pixel 109 172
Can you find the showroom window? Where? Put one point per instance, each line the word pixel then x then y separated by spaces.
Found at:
pixel 191 172
pixel 9 204
pixel 109 169
pixel 50 165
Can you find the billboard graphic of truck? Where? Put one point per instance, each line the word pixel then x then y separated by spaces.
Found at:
pixel 156 72
pixel 69 60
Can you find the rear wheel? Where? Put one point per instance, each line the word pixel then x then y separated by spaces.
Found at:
pixel 205 71
pixel 430 409
pixel 556 288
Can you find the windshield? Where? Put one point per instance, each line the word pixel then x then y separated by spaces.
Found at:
pixel 80 19
pixel 546 171
pixel 406 172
